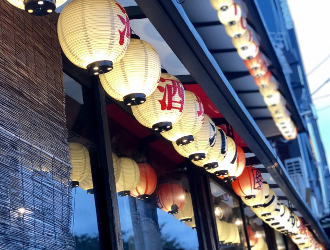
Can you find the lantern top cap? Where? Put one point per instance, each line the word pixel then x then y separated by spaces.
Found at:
pixel 164 71
pixel 135 36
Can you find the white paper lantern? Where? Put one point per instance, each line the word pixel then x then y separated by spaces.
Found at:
pixel 268 207
pixel 80 162
pixel 37 7
pixel 164 107
pixel 189 124
pixel 278 109
pixel 186 213
pixel 237 239
pixel 116 166
pixel 281 221
pixel 238 29
pixel 230 159
pixel 232 233
pixel 231 15
pixel 260 198
pixel 216 154
pixel 191 223
pixel 244 41
pixel 223 230
pixel 87 184
pixel 204 140
pixel 94 34
pixel 273 98
pixel 135 76
pixel 129 176
pixel 250 52
pixel 269 89
pixel 221 4
pixel 275 215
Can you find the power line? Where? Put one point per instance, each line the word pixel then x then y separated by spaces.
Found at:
pixel 318 65
pixel 321 86
pixel 320 97
pixel 323 108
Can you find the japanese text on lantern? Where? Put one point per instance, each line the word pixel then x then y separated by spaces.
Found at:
pixel 201 108
pixel 171 94
pixel 125 21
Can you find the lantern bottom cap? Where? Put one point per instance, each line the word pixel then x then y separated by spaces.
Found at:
pixel 224 8
pixel 221 173
pixel 134 99
pixel 186 220
pixel 238 36
pixel 99 67
pixel 174 209
pixel 211 165
pixel 257 205
pixel 230 178
pixel 74 184
pixel 185 140
pixel 231 23
pixel 197 156
pixel 143 197
pixel 124 193
pixel 162 126
pixel 39 7
pixel 90 191
pixel 248 197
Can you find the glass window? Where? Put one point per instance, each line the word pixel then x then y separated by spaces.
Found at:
pixel 154 198
pixel 228 218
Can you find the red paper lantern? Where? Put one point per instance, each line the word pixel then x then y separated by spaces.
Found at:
pixel 147 183
pixel 252 236
pixel 237 168
pixel 260 71
pixel 171 197
pixel 264 80
pixel 249 183
pixel 255 62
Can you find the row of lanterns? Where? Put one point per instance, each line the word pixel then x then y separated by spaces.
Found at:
pixel 257 194
pixel 228 233
pixel 230 15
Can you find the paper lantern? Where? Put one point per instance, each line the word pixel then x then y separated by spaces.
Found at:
pixel 290 227
pixel 80 162
pixel 147 183
pixel 94 34
pixel 171 197
pixel 272 98
pixel 260 245
pixel 260 71
pixel 223 169
pixel 135 76
pixel 216 154
pixel 269 89
pixel 221 4
pixel 264 80
pixel 249 53
pixel 249 183
pixel 260 198
pixel 255 62
pixel 238 29
pixel 223 230
pixel 129 176
pixel 237 239
pixel 235 170
pixel 190 122
pixel 164 107
pixel 191 223
pixel 244 41
pixel 275 215
pixel 186 213
pixel 294 230
pixel 232 233
pixel 278 109
pixel 231 15
pixel 268 207
pixel 87 184
pixel 37 7
pixel 116 166
pixel 204 140
pixel 252 236
pixel 281 221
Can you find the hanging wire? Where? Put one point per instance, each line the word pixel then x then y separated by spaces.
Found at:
pixel 321 86
pixel 320 97
pixel 318 65
pixel 323 108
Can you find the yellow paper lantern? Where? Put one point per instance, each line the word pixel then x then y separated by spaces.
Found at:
pixel 189 124
pixel 116 166
pixel 135 76
pixel 94 34
pixel 237 239
pixel 129 176
pixel 238 29
pixel 216 154
pixel 244 41
pixel 80 162
pixel 186 213
pixel 223 230
pixel 278 110
pixel 221 4
pixel 269 89
pixel 37 7
pixel 164 107
pixel 268 207
pixel 250 52
pixel 275 215
pixel 87 184
pixel 230 159
pixel 232 233
pixel 191 223
pixel 260 198
pixel 204 140
pixel 281 221
pixel 231 15
pixel 273 98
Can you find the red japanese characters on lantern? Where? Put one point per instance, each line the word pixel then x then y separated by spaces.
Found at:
pixel 252 236
pixel 164 107
pixel 147 183
pixel 125 21
pixel 171 197
pixel 249 183
pixel 264 80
